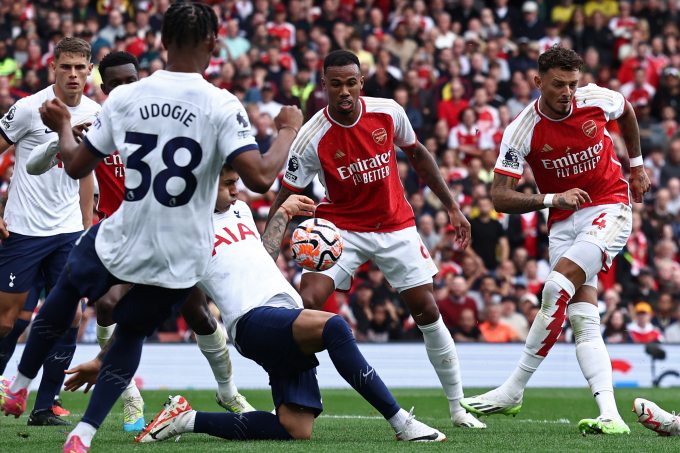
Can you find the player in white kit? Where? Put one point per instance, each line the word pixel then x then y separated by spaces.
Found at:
pixel 174 131
pixel 562 136
pixel 44 215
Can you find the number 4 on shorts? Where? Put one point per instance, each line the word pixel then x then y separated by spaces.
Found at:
pixel 600 222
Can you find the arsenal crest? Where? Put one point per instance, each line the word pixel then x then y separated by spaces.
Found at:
pixel 589 128
pixel 380 136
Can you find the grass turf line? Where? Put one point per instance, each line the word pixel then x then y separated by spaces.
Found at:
pixel 547 422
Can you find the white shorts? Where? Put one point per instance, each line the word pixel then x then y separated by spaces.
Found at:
pixel 607 226
pixel 400 255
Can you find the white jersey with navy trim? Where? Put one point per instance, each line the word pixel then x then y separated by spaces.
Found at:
pixel 48 204
pixel 174 132
pixel 241 274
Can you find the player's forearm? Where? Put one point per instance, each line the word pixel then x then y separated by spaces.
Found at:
pixel 87 200
pixel 274 232
pixel 428 171
pixel 3 202
pixel 630 132
pixel 281 197
pixel 274 159
pixel 507 200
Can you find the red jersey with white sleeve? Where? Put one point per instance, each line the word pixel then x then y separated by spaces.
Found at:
pixel 110 174
pixel 357 166
pixel 574 152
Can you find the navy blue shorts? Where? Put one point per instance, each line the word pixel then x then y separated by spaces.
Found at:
pixel 265 335
pixel 24 258
pixel 143 308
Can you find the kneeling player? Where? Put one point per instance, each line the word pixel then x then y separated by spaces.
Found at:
pixel 264 316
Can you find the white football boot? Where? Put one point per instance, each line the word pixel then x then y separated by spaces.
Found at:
pixel 658 420
pixel 414 431
pixel 170 422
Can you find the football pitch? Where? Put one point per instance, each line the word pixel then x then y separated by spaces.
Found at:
pixel 547 422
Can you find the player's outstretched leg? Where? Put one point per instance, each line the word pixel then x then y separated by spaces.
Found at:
pixel 9 343
pixel 213 344
pixel 178 418
pixel 658 420
pixel 593 358
pixel 544 332
pixel 441 350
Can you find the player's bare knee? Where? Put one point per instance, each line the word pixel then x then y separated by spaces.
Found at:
pixel 297 420
pixel 104 307
pixel 311 299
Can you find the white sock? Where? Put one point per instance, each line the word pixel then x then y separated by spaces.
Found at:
pixel 543 334
pixel 592 356
pixel 131 391
pixel 189 427
pixel 20 382
pixel 214 348
pixel 104 333
pixel 85 431
pixel 398 419
pixel 442 354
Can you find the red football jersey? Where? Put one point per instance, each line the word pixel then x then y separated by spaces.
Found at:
pixel 111 179
pixel 574 152
pixel 357 166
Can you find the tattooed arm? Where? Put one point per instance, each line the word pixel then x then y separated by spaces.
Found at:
pixel 506 199
pixel 278 221
pixel 428 171
pixel 282 196
pixel 630 132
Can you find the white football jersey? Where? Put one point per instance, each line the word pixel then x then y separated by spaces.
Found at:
pixel 48 204
pixel 174 132
pixel 241 274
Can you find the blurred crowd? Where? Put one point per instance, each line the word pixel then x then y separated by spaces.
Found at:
pixel 462 70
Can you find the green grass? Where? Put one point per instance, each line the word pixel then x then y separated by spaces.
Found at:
pixel 547 422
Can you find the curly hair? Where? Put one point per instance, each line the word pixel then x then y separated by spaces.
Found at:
pixel 559 57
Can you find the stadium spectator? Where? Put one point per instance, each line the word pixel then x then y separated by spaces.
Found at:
pixel 488 235
pixel 664 312
pixel 467 330
pixel 672 332
pixel 458 300
pixel 615 329
pixel 641 329
pixel 494 330
pixel 511 317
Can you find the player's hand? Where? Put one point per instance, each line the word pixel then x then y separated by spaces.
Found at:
pixel 290 116
pixel 54 114
pixel 85 373
pixel 79 131
pixel 639 183
pixel 4 234
pixel 462 228
pixel 571 200
pixel 299 205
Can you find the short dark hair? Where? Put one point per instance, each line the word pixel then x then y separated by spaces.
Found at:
pixel 114 59
pixel 75 46
pixel 559 57
pixel 189 23
pixel 340 58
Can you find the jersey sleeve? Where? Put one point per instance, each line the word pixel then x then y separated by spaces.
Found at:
pixel 510 160
pixel 453 142
pixel 612 103
pixel 43 158
pixel 404 136
pixel 486 141
pixel 17 122
pixel 234 135
pixel 303 161
pixel 99 138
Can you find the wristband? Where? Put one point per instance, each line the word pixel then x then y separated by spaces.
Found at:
pixel 636 161
pixel 296 131
pixel 548 200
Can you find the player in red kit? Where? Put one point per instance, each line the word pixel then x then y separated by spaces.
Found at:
pixel 562 137
pixel 351 145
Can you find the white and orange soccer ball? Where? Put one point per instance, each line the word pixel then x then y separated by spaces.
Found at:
pixel 316 245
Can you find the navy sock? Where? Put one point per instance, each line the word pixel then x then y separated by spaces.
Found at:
pixel 257 425
pixel 352 366
pixel 118 368
pixel 9 343
pixel 50 324
pixel 53 369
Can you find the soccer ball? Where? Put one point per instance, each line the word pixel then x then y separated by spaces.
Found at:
pixel 316 245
